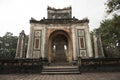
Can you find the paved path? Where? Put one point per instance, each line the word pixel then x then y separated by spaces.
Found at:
pixel 83 76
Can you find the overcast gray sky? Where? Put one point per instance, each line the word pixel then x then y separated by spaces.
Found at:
pixel 15 14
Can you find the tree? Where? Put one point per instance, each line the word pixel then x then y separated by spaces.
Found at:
pixel 110 33
pixel 113 5
pixel 8 45
pixel 110 30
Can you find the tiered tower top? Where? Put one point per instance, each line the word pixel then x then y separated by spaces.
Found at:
pixel 59 16
pixel 65 13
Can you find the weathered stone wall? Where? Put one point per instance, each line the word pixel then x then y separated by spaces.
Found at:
pixel 60 27
pixel 60 21
pixel 32 52
pixel 71 30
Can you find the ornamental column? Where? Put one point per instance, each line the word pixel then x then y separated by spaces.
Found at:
pixel 98 45
pixel 20 51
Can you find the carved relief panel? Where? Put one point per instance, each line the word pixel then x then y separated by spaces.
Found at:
pixel 37 40
pixel 37 44
pixel 81 43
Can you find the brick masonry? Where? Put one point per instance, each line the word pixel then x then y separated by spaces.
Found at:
pixel 83 76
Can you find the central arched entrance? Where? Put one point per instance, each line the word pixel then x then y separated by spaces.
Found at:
pixel 59 47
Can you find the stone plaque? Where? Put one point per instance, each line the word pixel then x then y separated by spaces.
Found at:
pixel 37 43
pixel 81 32
pixel 37 33
pixel 83 53
pixel 36 54
pixel 81 43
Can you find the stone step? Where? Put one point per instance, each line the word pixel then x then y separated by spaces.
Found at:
pixel 60 67
pixel 60 70
pixel 58 73
pixel 60 64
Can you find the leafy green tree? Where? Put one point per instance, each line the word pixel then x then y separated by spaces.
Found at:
pixel 8 45
pixel 110 30
pixel 110 33
pixel 113 5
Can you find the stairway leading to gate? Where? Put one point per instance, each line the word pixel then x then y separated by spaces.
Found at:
pixel 60 69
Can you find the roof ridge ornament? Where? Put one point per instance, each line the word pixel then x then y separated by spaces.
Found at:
pixel 65 8
pixel 33 18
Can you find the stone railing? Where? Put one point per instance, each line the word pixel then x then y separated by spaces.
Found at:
pixel 100 64
pixel 20 65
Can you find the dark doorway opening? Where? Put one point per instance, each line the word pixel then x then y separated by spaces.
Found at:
pixel 60 44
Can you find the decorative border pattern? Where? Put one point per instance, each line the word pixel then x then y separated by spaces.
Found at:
pixel 36 54
pixel 37 40
pixel 81 43
pixel 83 53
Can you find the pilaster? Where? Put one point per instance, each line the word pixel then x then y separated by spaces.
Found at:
pixel 88 42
